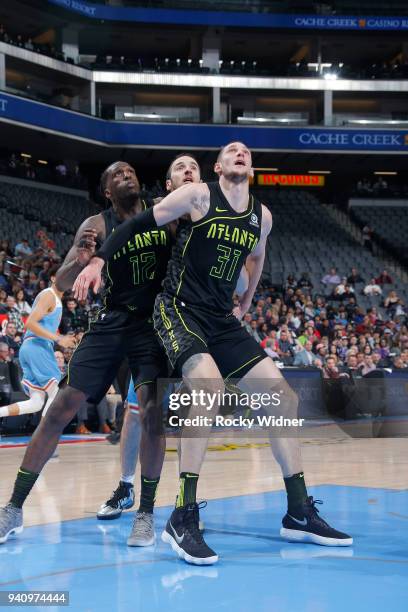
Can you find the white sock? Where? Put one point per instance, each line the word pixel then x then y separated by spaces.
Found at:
pixel 129 479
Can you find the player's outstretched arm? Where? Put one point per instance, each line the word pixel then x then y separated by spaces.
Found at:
pixel 81 251
pixel 254 264
pixel 176 204
pixel 189 199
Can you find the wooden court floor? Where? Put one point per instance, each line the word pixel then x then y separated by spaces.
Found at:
pixel 83 476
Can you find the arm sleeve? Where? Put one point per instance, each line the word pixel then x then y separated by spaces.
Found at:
pixel 124 232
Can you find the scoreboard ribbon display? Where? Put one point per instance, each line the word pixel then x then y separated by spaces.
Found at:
pixel 95 10
pixel 291 180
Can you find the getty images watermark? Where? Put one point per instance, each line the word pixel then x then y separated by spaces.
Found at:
pixel 237 402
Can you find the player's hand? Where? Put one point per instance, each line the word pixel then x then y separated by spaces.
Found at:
pixel 91 276
pixel 86 246
pixel 66 341
pixel 237 312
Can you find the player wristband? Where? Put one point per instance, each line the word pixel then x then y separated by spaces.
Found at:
pixel 125 231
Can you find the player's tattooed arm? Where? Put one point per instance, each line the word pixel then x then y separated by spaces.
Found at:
pixel 91 232
pixel 172 207
pixel 201 203
pixel 254 264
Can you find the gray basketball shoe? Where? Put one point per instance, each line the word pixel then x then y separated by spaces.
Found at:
pixel 142 533
pixel 11 521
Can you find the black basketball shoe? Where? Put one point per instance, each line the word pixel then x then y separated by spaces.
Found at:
pixel 183 534
pixel 312 528
pixel 122 499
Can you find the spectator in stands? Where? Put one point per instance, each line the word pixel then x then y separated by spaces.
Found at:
pixel 379 362
pixel 290 283
pixel 4 352
pixel 342 349
pixel 364 187
pixel 321 352
pixel 398 363
pixel 254 330
pixel 29 285
pixel 354 277
pixel 318 363
pixel 380 187
pixel 374 315
pixel 22 305
pixel 305 283
pixel 330 370
pixel 67 352
pixel 390 303
pixel 263 331
pixel 351 306
pixel 61 170
pixel 404 357
pixel 5 248
pixel 367 237
pixel 372 288
pixel 45 272
pixel 13 163
pixel 3 34
pixel 3 299
pixel 330 281
pixel 309 334
pixel 12 340
pixel 304 355
pixel 27 168
pixel 3 279
pixel 325 329
pixel 41 285
pixel 384 279
pixel 309 310
pixel 400 310
pixel 29 44
pixel 46 244
pixel 285 348
pixel 246 322
pixel 59 358
pixel 343 290
pixel 74 317
pixel 13 314
pixel 271 348
pixel 351 367
pixel 23 249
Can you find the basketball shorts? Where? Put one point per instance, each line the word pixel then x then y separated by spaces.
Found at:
pixel 132 398
pixel 184 331
pixel 39 365
pixel 114 336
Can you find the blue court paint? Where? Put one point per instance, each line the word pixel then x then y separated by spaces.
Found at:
pixel 257 570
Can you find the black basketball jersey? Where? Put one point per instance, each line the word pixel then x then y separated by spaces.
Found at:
pixel 135 273
pixel 208 256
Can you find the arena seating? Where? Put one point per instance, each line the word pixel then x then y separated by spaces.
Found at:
pixel 24 210
pixel 305 238
pixel 390 225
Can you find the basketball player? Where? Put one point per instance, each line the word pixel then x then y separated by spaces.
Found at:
pixel 183 169
pixel 122 330
pixel 124 497
pixel 205 343
pixel 41 374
